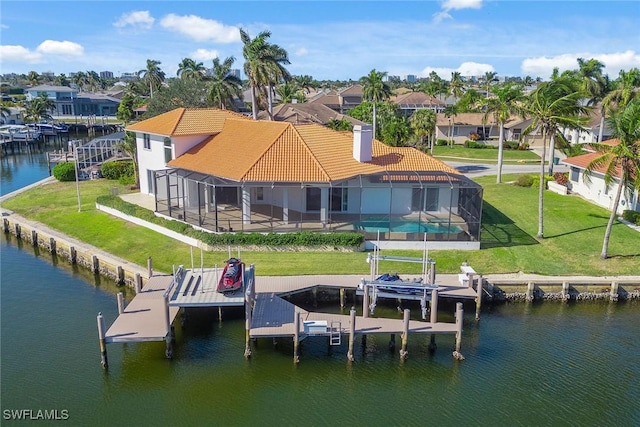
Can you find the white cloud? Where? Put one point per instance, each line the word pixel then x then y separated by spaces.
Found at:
pixel 301 51
pixel 449 5
pixel 465 69
pixel 201 29
pixel 65 48
pixel 140 19
pixel 614 62
pixel 4 27
pixel 17 53
pixel 204 55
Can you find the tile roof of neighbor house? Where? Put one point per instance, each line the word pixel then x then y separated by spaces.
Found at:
pixel 306 113
pixel 353 90
pixel 328 99
pixel 416 98
pixel 582 161
pixel 468 119
pixel 267 151
pixel 50 88
pixel 186 121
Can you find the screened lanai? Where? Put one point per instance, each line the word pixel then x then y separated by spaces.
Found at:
pixel 388 205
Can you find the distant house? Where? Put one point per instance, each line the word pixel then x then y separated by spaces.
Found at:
pixel 70 102
pixel 595 189
pixel 15 116
pixel 591 129
pixel 340 101
pixel 408 103
pixel 461 126
pixel 304 113
pixel 221 171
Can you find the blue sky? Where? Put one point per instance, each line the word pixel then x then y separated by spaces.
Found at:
pixel 325 39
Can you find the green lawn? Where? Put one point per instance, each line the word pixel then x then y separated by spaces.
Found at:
pixel 574 230
pixel 490 154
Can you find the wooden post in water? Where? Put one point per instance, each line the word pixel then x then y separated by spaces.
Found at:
pixel 392 342
pixel 433 319
pixel 352 333
pixel 478 297
pixel 296 336
pixel 120 303
pixel 365 302
pixel 565 292
pixel 247 326
pixel 18 230
pixel 149 267
pixel 5 225
pixel 168 338
pixel 405 335
pixel 342 295
pixel 138 283
pixel 120 278
pixel 34 237
pixel 95 262
pixel 103 343
pixel 52 245
pixel 459 314
pixel 614 291
pixel 432 273
pixel 73 254
pixel 219 313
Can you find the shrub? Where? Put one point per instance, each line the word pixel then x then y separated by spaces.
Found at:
pixel 631 216
pixel 536 180
pixel 441 142
pixel 474 136
pixel 524 181
pixel 65 171
pixel 472 144
pixel 117 169
pixel 511 145
pixel 561 178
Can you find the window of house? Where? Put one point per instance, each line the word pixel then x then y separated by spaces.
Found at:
pixel 338 199
pixel 260 193
pixel 575 174
pixel 151 182
pixel 313 199
pixel 147 141
pixel 168 150
pixel 426 199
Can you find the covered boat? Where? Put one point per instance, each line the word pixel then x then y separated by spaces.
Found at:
pixel 232 275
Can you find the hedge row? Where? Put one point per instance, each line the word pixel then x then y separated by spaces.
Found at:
pixel 304 238
pixel 631 216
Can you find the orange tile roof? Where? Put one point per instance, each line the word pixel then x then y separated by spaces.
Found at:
pixel 582 161
pixel 283 152
pixel 186 121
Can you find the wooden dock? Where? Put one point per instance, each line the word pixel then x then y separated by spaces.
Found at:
pixel 198 288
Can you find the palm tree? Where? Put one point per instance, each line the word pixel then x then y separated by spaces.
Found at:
pixel 263 65
pixel 305 83
pixel 553 105
pixel 33 78
pixel 423 123
pixel 39 108
pixel 375 90
pixel 528 81
pixel 456 85
pixel 225 87
pixel 595 85
pixel 489 77
pixel 190 69
pixel 129 146
pixel 627 88
pixel 286 92
pixel 505 102
pixel 152 75
pixel 450 112
pixel 81 80
pixel 621 161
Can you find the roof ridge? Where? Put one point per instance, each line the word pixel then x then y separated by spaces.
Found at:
pixel 266 150
pixel 177 122
pixel 313 156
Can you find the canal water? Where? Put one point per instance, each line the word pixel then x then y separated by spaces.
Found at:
pixel 541 364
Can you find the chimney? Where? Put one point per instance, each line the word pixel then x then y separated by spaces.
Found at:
pixel 362 142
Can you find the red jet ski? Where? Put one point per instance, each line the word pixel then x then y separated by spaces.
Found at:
pixel 232 275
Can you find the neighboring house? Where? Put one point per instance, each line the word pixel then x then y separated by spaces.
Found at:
pixel 223 172
pixel 70 102
pixel 306 113
pixel 408 103
pixel 15 116
pixel 591 129
pixel 514 131
pixel 329 99
pixel 460 126
pixel 595 189
pixel 340 101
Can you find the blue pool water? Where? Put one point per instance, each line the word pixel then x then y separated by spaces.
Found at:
pixel 406 227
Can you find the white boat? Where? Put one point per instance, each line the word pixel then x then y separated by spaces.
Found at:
pixel 18 133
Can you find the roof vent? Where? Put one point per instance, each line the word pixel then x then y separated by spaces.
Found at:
pixel 362 142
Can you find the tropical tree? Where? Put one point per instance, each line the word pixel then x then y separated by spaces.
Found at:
pixel 375 90
pixel 179 93
pixel 93 81
pixel 39 108
pixel 450 112
pixel 396 131
pixel 553 105
pixel 506 102
pixel 470 102
pixel 456 85
pixel 627 88
pixel 489 77
pixel 129 146
pixel 33 78
pixel 595 85
pixel 264 65
pixel 80 79
pixel 528 81
pixel 340 125
pixel 152 75
pixel 621 162
pixel 423 124
pixel 224 86
pixel 305 83
pixel 125 109
pixel 190 69
pixel 286 92
pixel 62 80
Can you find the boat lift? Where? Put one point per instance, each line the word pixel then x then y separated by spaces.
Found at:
pixel 412 289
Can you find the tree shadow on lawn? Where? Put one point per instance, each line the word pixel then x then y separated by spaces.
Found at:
pixel 498 230
pixel 603 226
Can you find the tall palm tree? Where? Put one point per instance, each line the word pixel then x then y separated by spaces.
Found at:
pixel 506 102
pixel 489 77
pixel 152 75
pixel 39 108
pixel 528 81
pixel 423 124
pixel 287 93
pixel 553 105
pixel 264 64
pixel 305 83
pixel 450 112
pixel 621 161
pixel 456 85
pixel 80 79
pixel 627 88
pixel 375 90
pixel 190 69
pixel 34 78
pixel 595 85
pixel 224 86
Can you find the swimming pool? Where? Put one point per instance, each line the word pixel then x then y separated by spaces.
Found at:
pixel 397 226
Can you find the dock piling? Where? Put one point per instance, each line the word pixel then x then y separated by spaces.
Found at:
pixel 149 267
pixel 120 303
pixel 614 291
pixel 365 302
pixel 478 297
pixel 120 275
pixel 52 245
pixel 296 337
pixel 530 291
pixel 433 318
pixel 103 344
pixel 34 237
pixel 392 342
pixel 342 298
pixel 18 230
pixel 459 314
pixel 138 283
pixel 405 335
pixel 247 325
pixel 565 292
pixel 352 333
pixel 95 262
pixel 73 254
